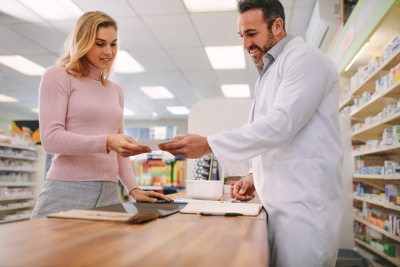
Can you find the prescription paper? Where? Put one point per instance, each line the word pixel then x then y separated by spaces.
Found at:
pixel 152 143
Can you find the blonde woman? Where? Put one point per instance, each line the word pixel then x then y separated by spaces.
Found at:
pixel 81 121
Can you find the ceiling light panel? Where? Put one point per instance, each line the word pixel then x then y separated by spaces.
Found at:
pixel 178 110
pixel 236 90
pixel 128 112
pixel 17 12
pixel 210 5
pixel 226 57
pixel 4 98
pixel 157 92
pixel 23 65
pixel 34 110
pixel 125 63
pixel 54 10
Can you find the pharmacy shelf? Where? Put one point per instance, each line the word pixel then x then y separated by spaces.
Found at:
pixel 348 102
pixel 375 105
pixel 375 176
pixel 18 184
pixel 16 157
pixel 369 176
pixel 15 198
pixel 17 208
pixel 381 150
pixel 21 219
pixel 383 69
pixel 155 187
pixel 376 228
pixel 378 203
pixel 375 202
pixel 13 169
pixel 375 130
pixel 17 146
pixel 371 132
pixel 380 253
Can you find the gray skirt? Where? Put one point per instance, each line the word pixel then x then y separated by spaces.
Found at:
pixel 59 196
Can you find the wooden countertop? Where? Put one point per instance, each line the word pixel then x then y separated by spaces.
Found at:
pixel 177 240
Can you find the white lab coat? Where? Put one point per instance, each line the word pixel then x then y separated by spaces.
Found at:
pixel 296 155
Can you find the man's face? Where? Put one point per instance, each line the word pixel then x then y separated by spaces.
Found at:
pixel 256 38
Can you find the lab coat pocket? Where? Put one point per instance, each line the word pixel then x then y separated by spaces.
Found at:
pixel 297 180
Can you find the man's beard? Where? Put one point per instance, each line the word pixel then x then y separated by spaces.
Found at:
pixel 266 47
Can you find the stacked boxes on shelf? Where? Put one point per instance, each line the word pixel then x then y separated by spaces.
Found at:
pixel 158 173
pixel 369 165
pixel 389 137
pixel 6 192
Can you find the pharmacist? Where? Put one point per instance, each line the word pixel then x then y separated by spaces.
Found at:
pixel 292 140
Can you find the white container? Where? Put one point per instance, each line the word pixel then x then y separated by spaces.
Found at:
pixel 199 189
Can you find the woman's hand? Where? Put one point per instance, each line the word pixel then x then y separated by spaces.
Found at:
pixel 145 196
pixel 125 145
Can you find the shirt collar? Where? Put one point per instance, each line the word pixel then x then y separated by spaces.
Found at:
pixel 277 49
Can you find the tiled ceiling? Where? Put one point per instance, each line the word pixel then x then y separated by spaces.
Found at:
pixel 161 35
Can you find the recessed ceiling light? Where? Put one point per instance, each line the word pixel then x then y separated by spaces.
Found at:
pixel 178 110
pixel 210 5
pixel 236 90
pixel 154 114
pixel 18 10
pixel 157 92
pixel 4 98
pixel 125 63
pixel 226 57
pixel 128 112
pixel 54 10
pixel 23 65
pixel 34 110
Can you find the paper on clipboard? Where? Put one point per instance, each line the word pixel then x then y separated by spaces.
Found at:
pixel 152 143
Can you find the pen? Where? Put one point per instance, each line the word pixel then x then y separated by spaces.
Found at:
pixel 220 214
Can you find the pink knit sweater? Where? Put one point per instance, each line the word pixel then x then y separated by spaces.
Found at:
pixel 76 115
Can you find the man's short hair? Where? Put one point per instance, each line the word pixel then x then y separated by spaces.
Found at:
pixel 272 9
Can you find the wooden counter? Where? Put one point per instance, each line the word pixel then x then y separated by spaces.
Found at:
pixel 177 240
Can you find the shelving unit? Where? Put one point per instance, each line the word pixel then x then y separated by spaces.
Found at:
pixel 376 228
pixel 18 184
pixel 16 157
pixel 17 208
pixel 15 198
pixel 32 173
pixel 383 255
pixel 378 203
pixel 14 169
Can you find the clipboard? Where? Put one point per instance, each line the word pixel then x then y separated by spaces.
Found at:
pixel 245 209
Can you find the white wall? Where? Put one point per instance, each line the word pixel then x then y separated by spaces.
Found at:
pixel 211 116
pixel 182 125
pixel 346 229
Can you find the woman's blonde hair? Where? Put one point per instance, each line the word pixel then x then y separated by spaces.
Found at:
pixel 81 41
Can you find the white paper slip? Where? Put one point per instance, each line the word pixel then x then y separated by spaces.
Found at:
pixel 218 207
pixel 152 143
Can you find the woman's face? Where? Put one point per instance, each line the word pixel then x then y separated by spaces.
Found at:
pixel 104 49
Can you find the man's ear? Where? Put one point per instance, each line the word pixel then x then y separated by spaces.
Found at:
pixel 277 27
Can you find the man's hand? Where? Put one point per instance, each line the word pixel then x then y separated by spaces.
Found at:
pixel 244 189
pixel 125 145
pixel 145 196
pixel 191 146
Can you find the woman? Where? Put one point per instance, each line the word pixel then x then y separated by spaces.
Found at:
pixel 81 121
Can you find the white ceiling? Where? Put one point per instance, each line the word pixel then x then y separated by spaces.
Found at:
pixel 161 35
